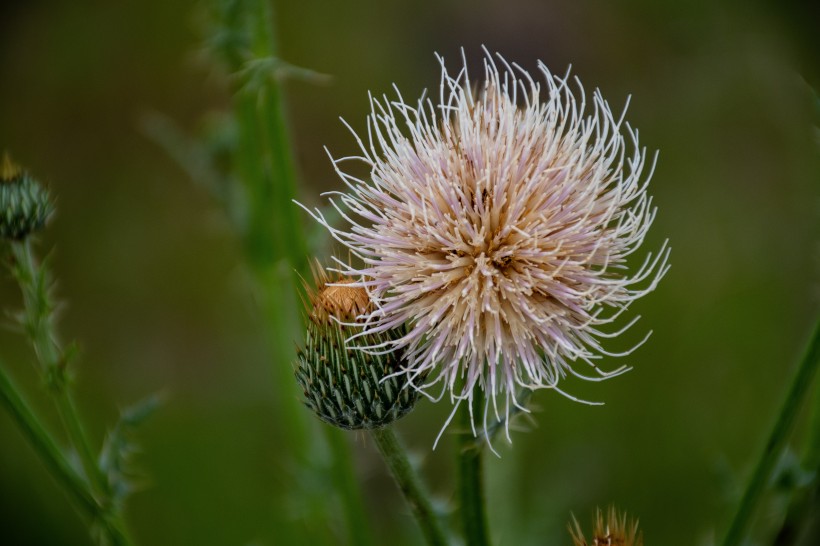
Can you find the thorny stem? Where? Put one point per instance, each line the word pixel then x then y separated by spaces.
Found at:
pixel 410 484
pixel 470 480
pixel 273 235
pixel 39 325
pixel 78 489
pixel 45 446
pixel 806 500
pixel 777 440
pixel 264 158
pixel 38 311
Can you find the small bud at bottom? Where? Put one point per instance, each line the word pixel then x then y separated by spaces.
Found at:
pixel 613 529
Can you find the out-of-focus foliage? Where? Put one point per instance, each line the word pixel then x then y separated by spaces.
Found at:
pixel 150 266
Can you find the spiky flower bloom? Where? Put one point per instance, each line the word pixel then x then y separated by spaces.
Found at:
pixel 496 225
pixel 24 203
pixel 612 531
pixel 344 387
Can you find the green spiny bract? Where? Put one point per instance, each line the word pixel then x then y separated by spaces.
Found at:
pixel 346 386
pixel 24 203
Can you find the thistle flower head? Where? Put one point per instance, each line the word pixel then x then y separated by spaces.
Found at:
pixel 496 225
pixel 24 204
pixel 345 387
pixel 614 530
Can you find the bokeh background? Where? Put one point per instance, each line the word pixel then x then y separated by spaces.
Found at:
pixel 153 285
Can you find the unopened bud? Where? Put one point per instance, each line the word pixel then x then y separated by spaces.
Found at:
pixel 24 203
pixel 614 528
pixel 345 384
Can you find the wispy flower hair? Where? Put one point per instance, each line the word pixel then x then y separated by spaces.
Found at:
pixel 496 225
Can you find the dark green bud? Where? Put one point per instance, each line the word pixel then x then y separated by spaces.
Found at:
pixel 24 203
pixel 344 386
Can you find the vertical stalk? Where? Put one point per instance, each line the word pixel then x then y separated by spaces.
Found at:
pixel 278 303
pixel 410 485
pixel 806 500
pixel 345 482
pixel 44 445
pixel 777 440
pixel 265 158
pixel 273 238
pixel 470 480
pixel 273 235
pixel 38 309
pixel 95 494
pixel 111 526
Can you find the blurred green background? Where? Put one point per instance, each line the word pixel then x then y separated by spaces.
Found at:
pixel 151 275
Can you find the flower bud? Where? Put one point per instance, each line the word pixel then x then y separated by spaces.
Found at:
pixel 24 203
pixel 614 528
pixel 344 384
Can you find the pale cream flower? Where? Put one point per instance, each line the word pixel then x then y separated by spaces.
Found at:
pixel 496 226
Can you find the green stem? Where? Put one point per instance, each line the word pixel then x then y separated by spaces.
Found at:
pixel 38 308
pixel 345 483
pixel 273 234
pixel 410 485
pixel 264 155
pixel 470 481
pixel 76 433
pixel 45 446
pixel 774 447
pixel 273 239
pixel 79 490
pixel 278 302
pixel 805 500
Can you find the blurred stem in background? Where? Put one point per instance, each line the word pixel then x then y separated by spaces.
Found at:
pixel 242 37
pixel 773 450
pixel 805 503
pixel 471 477
pixel 95 493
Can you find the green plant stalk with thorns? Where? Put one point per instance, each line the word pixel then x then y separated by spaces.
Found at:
pixel 100 485
pixel 93 490
pixel 257 195
pixel 798 391
pixel 273 236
